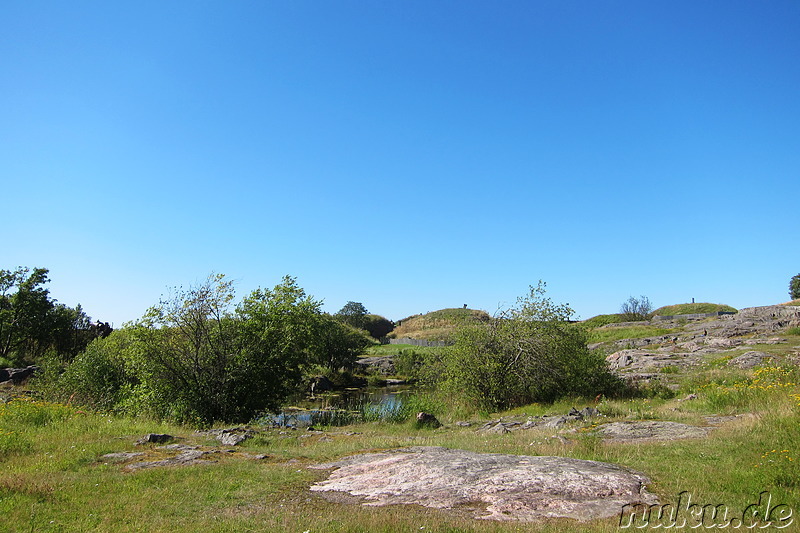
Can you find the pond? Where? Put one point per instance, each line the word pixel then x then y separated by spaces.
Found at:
pixel 344 407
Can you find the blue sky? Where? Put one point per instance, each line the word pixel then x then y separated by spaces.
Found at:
pixel 408 155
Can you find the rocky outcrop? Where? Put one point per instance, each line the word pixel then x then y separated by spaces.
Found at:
pixel 17 375
pixel 229 436
pixel 554 421
pixel 497 486
pixel 378 364
pixel 650 430
pixel 750 360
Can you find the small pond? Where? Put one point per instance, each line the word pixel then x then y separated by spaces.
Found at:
pixel 344 407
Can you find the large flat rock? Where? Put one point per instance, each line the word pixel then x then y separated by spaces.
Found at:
pixel 509 487
pixel 651 430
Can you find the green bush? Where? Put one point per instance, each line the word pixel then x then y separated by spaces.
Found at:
pixel 96 378
pixel 530 353
pixel 195 358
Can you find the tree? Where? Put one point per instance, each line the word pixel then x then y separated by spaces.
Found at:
pixel 378 326
pixel 198 359
pixel 354 314
pixel 32 324
pixel 794 287
pixel 337 345
pixel 23 312
pixel 528 353
pixel 636 309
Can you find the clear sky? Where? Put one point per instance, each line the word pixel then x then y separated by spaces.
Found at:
pixel 409 155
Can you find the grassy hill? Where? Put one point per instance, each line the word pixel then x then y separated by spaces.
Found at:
pixel 436 325
pixel 691 309
pixel 667 310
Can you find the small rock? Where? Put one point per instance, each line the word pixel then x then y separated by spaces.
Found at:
pixel 589 412
pixel 155 438
pixel 427 420
pixel 463 424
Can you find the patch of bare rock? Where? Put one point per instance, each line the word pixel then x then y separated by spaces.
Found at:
pixel 176 454
pixel 751 326
pixel 650 430
pixel 499 486
pixel 555 421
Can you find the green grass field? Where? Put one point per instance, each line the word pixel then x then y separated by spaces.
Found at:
pixel 52 477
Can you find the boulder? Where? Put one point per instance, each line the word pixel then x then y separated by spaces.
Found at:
pixel 320 384
pixel 427 420
pixel 155 438
pixel 17 375
pixel 496 486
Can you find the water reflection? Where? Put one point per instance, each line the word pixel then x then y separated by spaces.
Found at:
pixel 344 407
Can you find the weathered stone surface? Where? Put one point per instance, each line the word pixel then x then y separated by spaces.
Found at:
pixel 556 421
pixel 510 487
pixel 121 456
pixel 651 430
pixel 229 436
pixel 379 364
pixel 191 457
pixel 749 360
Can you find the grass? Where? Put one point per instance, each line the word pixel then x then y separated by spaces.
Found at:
pixel 603 320
pixel 57 483
pixel 436 325
pixel 396 349
pixel 618 333
pixel 52 478
pixel 694 308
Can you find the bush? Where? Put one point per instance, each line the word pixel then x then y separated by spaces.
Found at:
pixel 529 353
pixel 96 378
pixel 196 359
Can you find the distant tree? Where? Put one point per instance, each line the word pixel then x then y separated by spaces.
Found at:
pixel 354 314
pixel 378 326
pixel 31 323
pixel 336 344
pixel 636 309
pixel 794 287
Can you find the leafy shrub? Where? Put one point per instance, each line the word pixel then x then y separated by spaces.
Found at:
pixel 530 353
pixel 96 378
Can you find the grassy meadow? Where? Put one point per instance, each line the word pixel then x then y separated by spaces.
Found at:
pixel 53 477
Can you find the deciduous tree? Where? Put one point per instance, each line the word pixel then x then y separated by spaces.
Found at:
pixel 794 287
